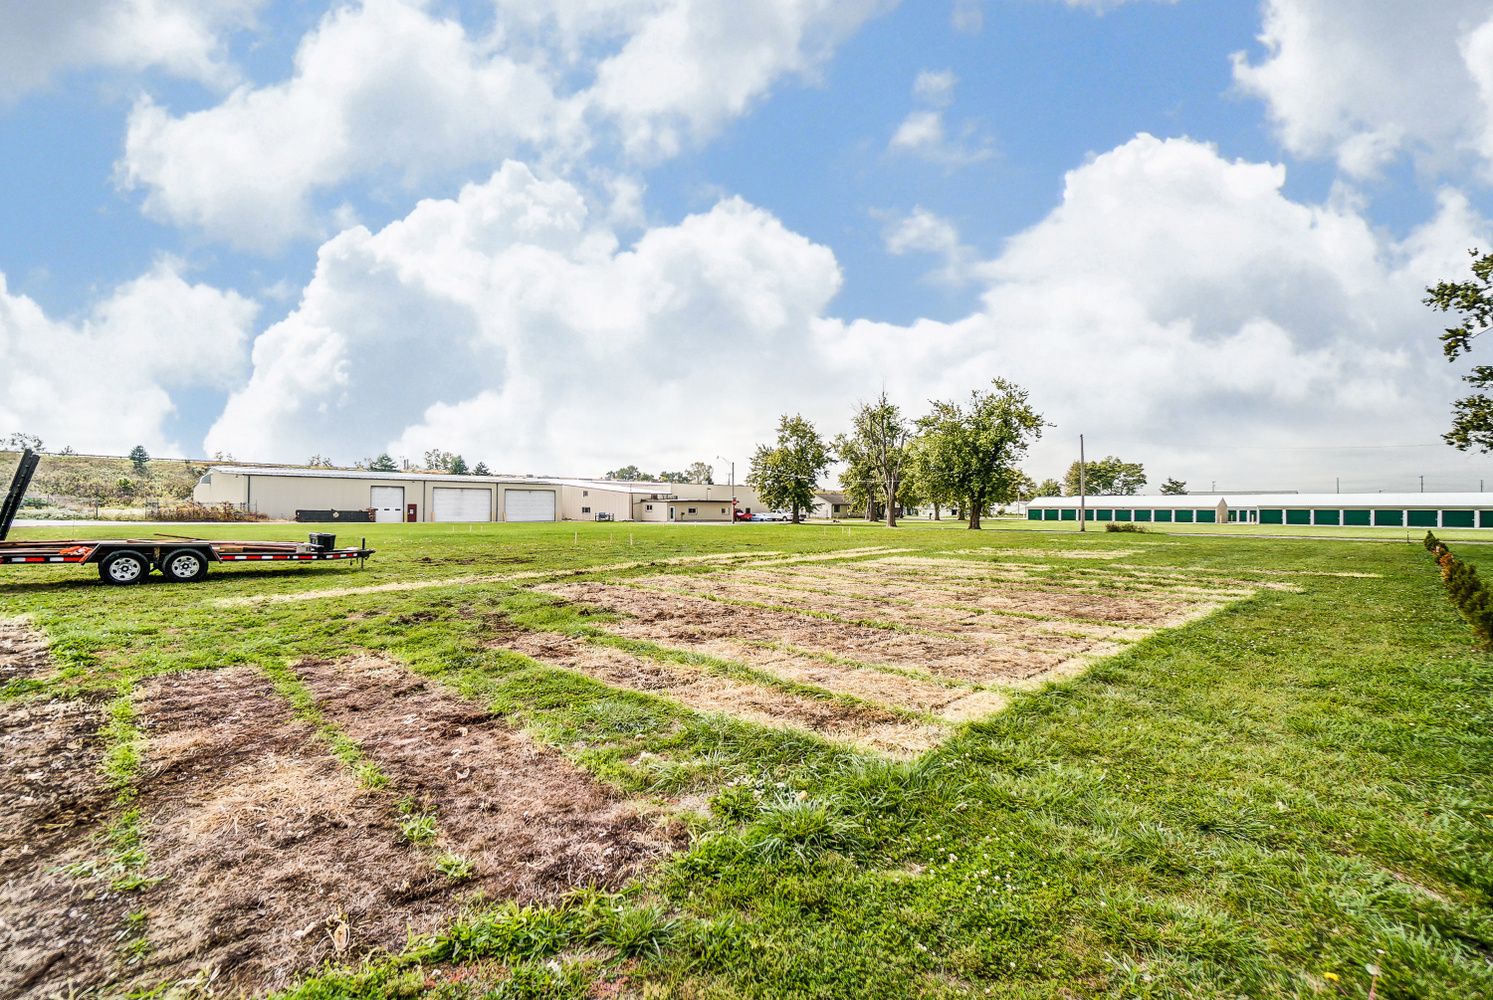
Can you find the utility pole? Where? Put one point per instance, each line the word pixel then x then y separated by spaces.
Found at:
pixel 1083 489
pixel 1422 484
pixel 723 458
pixel 1339 481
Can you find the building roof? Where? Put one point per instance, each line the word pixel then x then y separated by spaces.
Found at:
pixel 1237 501
pixel 832 497
pixel 445 477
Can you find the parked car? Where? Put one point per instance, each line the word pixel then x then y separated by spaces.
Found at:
pixel 770 515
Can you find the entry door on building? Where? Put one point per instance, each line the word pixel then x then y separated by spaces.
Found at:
pixel 387 503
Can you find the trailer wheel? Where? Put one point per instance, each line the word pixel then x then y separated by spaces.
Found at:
pixel 123 568
pixel 184 566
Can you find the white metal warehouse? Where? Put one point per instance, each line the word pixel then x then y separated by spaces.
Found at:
pixel 280 492
pixel 1392 510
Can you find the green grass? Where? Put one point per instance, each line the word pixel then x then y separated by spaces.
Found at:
pixel 1238 807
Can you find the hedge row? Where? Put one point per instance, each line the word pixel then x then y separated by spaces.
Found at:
pixel 1464 589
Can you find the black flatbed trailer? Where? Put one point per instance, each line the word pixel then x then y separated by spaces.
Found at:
pixel 181 559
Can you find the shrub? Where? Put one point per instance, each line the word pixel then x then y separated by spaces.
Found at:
pixel 1464 588
pixel 1125 526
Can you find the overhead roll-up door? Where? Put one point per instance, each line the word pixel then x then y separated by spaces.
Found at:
pixel 453 504
pixel 529 505
pixel 387 503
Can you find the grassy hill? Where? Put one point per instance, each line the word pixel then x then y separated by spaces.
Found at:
pixel 83 481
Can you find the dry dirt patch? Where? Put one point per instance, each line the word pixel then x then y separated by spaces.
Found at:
pixel 682 620
pixel 534 825
pixel 906 606
pixel 23 652
pixel 51 799
pixel 703 691
pixel 267 844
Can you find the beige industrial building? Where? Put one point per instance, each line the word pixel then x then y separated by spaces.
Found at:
pixel 428 496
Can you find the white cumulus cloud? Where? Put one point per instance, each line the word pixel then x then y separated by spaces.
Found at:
pixel 40 38
pixel 393 89
pixel 105 382
pixel 509 326
pixel 1367 82
pixel 1173 304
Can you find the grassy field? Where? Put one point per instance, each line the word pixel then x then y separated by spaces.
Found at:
pixel 1221 767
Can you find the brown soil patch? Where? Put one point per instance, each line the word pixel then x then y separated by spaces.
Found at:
pixel 266 842
pixel 51 799
pixel 681 620
pixel 909 607
pixel 23 652
pixel 534 825
pixel 1081 604
pixel 703 691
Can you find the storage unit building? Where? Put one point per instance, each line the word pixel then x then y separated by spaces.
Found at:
pixel 1344 510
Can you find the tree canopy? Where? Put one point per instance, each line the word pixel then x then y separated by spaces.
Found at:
pixel 787 474
pixel 381 464
pixel 630 473
pixel 1106 476
pixel 1049 488
pixel 139 458
pixel 1472 302
pixel 699 472
pixel 1174 487
pixel 975 447
pixel 880 436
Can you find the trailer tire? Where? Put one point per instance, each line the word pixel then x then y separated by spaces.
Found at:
pixel 184 566
pixel 120 569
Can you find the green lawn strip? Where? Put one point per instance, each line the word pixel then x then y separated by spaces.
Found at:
pixel 1352 717
pixel 295 693
pixel 1164 830
pixel 124 858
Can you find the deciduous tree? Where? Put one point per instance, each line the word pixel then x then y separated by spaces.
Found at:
pixel 699 472
pixel 1174 488
pixel 975 447
pixel 787 474
pixel 880 436
pixel 1107 476
pixel 1472 301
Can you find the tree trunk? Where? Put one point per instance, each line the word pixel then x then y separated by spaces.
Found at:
pixel 976 504
pixel 891 505
pixel 937 516
pixel 795 514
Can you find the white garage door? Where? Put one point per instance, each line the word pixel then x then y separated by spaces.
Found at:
pixel 388 504
pixel 461 505
pixel 529 505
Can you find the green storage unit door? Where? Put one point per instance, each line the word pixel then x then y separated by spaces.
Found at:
pixel 1357 517
pixel 1104 515
pixel 1298 517
pixel 1162 515
pixel 1033 515
pixel 1326 516
pixel 1143 515
pixel 1124 515
pixel 1272 517
pixel 1485 519
pixel 1421 518
pixel 1185 516
pixel 1456 518
pixel 1050 514
pixel 1069 514
pixel 1389 518
pixel 1208 516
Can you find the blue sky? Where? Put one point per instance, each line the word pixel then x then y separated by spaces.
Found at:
pixel 565 236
